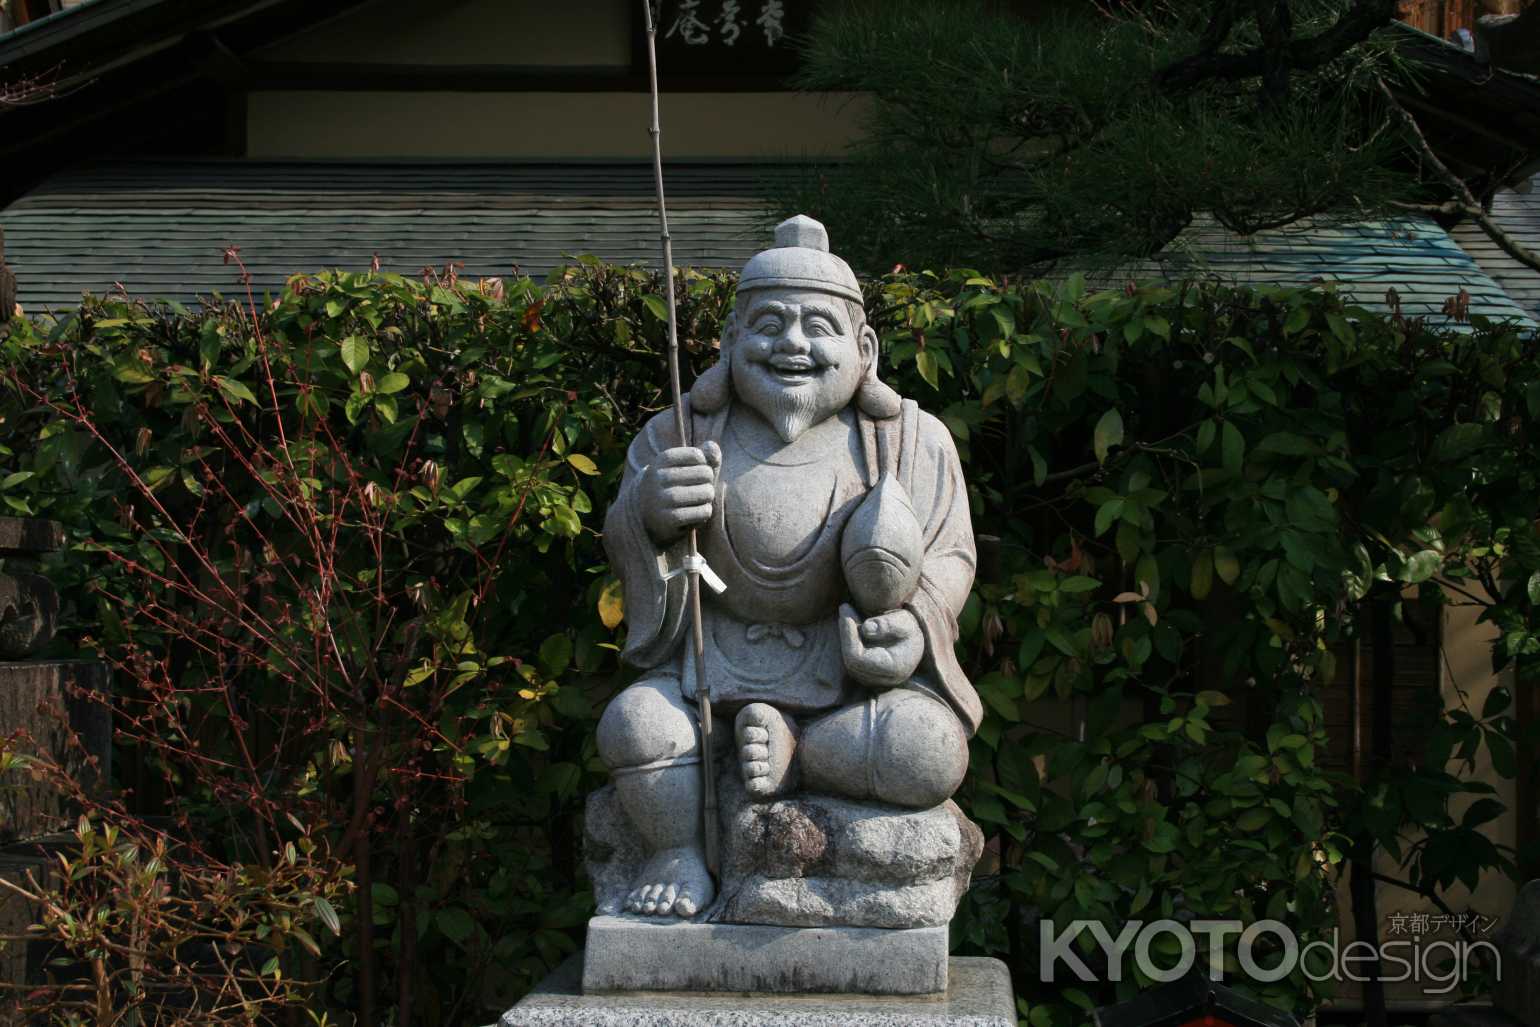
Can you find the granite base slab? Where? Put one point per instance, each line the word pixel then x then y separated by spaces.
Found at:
pixel 631 953
pixel 978 994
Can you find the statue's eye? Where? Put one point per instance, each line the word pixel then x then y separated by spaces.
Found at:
pixel 820 326
pixel 767 326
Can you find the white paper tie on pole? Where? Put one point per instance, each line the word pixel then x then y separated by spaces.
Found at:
pixel 694 562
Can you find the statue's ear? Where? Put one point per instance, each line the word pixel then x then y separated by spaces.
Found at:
pixel 876 400
pixel 710 391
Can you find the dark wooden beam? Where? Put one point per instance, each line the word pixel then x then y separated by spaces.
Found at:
pixel 1511 41
pixel 489 78
pixel 7 285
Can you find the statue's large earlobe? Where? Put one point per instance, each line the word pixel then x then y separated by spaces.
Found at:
pixel 876 400
pixel 710 391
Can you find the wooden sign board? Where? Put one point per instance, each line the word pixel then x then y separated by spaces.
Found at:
pixel 726 38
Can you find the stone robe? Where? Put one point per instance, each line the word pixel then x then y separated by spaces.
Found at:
pixel 772 636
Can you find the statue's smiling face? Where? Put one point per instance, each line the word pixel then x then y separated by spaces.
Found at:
pixel 798 356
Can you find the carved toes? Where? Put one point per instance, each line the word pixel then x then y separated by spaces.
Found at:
pixel 675 882
pixel 663 899
pixel 767 741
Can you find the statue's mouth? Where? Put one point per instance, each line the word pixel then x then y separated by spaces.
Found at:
pixel 790 368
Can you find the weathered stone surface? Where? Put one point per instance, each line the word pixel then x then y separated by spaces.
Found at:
pixel 17 913
pixel 815 859
pixel 614 854
pixel 29 613
pixel 633 953
pixel 809 860
pixel 1516 994
pixel 32 865
pixel 39 699
pixel 829 516
pixel 30 535
pixel 978 995
pixel 1518 943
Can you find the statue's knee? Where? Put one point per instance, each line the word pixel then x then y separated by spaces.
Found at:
pixel 920 752
pixel 646 723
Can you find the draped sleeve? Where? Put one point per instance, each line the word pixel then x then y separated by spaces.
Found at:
pixel 931 469
pixel 654 593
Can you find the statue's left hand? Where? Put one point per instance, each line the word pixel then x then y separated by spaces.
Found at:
pixel 881 651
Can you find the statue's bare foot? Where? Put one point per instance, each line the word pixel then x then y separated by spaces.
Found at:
pixel 767 741
pixel 675 882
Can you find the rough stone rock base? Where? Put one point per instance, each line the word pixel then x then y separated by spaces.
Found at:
pixel 807 860
pixel 978 995
pixel 642 954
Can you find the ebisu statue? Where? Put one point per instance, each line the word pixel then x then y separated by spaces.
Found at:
pixel 835 514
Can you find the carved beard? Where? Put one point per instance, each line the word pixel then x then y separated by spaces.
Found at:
pixel 793 411
pixel 789 409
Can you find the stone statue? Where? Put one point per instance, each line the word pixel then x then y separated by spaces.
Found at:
pixel 836 516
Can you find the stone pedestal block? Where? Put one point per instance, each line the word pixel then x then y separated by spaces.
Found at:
pixel 29 613
pixel 33 866
pixel 631 953
pixel 1516 995
pixel 36 697
pixel 978 994
pixel 28 536
pixel 1518 944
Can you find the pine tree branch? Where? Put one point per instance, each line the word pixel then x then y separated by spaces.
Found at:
pixel 1350 29
pixel 1465 202
pixel 30 90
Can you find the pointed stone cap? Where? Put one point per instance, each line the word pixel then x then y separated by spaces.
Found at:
pixel 800 259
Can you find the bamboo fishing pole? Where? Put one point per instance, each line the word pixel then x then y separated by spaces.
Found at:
pixel 693 563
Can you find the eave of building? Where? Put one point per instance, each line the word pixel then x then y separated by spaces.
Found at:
pixel 1484 121
pixel 1365 260
pixel 1518 214
pixel 100 35
pixel 160 229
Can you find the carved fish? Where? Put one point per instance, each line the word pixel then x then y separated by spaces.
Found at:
pixel 882 549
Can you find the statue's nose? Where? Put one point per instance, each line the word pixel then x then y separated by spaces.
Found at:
pixel 793 340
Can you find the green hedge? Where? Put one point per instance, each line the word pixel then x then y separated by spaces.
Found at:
pixel 342 549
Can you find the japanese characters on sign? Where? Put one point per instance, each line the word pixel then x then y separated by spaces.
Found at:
pixel 1420 924
pixel 731 37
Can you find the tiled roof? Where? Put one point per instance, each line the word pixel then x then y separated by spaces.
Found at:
pixel 161 229
pixel 1519 215
pixel 1414 256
